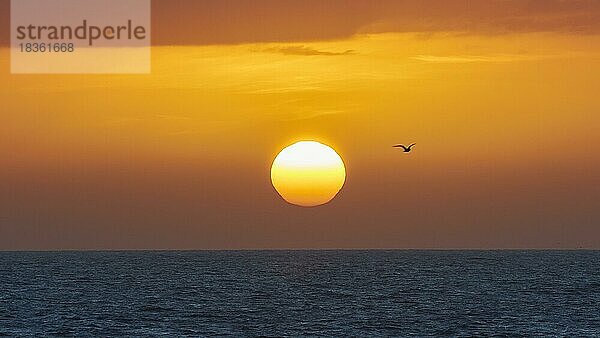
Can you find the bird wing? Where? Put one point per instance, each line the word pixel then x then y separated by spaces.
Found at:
pixel 399 146
pixel 410 146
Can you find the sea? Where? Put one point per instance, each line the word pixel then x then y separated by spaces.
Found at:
pixel 320 293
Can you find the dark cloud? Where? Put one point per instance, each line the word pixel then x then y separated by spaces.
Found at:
pixel 202 22
pixel 240 21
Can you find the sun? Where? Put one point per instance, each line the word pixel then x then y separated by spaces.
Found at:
pixel 308 173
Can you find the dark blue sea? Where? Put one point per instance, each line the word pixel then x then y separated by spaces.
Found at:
pixel 300 293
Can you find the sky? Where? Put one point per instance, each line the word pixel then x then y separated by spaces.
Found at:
pixel 501 98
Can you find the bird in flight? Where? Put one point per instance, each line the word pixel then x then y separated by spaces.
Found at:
pixel 405 148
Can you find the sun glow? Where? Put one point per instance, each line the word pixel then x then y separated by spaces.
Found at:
pixel 308 173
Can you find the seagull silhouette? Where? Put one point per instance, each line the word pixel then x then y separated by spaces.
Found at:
pixel 405 148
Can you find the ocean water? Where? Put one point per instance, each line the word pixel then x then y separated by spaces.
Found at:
pixel 300 293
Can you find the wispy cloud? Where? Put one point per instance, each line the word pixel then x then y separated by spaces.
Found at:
pixel 480 58
pixel 284 89
pixel 307 51
pixel 314 114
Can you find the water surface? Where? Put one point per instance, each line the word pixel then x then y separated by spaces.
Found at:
pixel 291 293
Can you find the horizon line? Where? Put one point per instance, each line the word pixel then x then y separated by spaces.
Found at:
pixel 299 249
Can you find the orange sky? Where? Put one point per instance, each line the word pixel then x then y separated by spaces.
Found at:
pixel 500 97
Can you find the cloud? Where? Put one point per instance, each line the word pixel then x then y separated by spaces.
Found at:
pixel 499 58
pixel 314 114
pixel 242 21
pixel 451 59
pixel 302 50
